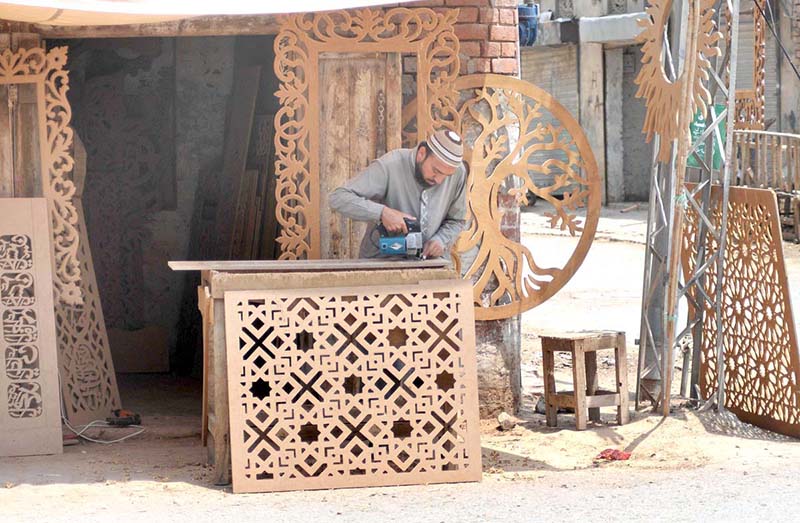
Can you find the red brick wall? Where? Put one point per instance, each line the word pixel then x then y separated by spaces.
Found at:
pixel 488 33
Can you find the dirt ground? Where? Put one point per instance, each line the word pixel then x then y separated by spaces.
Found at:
pixel 690 466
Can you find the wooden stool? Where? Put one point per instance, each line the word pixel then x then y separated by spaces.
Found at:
pixel 586 396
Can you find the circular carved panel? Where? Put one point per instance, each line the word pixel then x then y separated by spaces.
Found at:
pixel 519 142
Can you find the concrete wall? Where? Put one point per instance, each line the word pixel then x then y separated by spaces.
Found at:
pixel 637 155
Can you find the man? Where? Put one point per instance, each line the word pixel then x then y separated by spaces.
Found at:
pixel 426 183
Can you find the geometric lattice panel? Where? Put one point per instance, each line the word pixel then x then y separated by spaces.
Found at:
pixel 345 387
pixel 29 401
pixel 759 336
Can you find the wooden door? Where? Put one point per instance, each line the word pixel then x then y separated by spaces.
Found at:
pixel 360 108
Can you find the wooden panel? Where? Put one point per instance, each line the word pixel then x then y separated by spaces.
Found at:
pixel 27 156
pixel 6 146
pixel 237 138
pixel 761 352
pixel 88 381
pixel 352 387
pixel 303 265
pixel 360 105
pixel 30 417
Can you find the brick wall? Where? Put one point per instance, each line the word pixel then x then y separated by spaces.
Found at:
pixel 488 33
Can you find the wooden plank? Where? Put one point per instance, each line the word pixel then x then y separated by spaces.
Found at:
pixel 238 240
pixel 621 368
pixel 233 25
pixel 6 147
pixel 394 101
pixel 30 416
pixel 305 265
pixel 253 177
pixel 591 382
pixel 237 137
pixel 548 365
pixel 602 399
pixel 224 282
pixel 336 79
pixel 579 382
pixel 27 154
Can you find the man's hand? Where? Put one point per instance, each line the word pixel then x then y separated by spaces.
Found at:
pixel 393 220
pixel 433 249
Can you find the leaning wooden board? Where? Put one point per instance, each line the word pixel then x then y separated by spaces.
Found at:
pixel 30 418
pixel 355 386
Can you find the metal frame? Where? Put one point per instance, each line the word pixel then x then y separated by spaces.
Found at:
pixel 669 199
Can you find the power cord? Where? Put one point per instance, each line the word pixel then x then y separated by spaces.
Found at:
pixel 94 424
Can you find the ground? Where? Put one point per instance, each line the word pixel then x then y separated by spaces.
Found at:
pixel 689 466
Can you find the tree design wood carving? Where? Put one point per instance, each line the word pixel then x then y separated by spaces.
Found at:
pixel 423 32
pixel 661 94
pixel 517 133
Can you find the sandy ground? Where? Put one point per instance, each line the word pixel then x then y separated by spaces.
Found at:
pixel 689 466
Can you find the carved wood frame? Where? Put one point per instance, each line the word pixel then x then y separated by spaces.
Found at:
pixel 45 69
pixel 423 32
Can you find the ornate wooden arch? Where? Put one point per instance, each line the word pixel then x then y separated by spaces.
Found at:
pixel 751 103
pixel 513 129
pixel 45 70
pixel 301 39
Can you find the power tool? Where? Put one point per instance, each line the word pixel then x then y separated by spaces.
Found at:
pixel 396 244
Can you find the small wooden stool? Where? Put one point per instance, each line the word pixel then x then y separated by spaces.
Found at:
pixel 586 396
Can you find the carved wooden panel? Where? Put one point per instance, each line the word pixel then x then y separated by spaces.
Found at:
pixel 30 421
pixel 515 131
pixel 751 103
pixel 761 351
pixel 661 95
pixel 344 387
pixel 423 32
pixel 46 69
pixel 88 382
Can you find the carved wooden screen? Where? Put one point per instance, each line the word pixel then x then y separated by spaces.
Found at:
pixel 88 383
pixel 751 103
pixel 422 32
pixel 516 131
pixel 30 420
pixel 761 352
pixel 361 386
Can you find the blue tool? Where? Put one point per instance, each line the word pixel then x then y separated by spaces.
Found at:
pixel 398 244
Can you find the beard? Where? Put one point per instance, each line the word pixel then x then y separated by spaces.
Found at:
pixel 418 176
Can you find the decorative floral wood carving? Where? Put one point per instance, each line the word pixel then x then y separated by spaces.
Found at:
pixel 46 70
pixel 661 95
pixel 761 352
pixel 515 131
pixel 302 38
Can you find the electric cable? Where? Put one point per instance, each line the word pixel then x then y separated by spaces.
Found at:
pixel 95 424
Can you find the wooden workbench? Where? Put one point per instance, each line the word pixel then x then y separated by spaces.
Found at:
pixel 218 277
